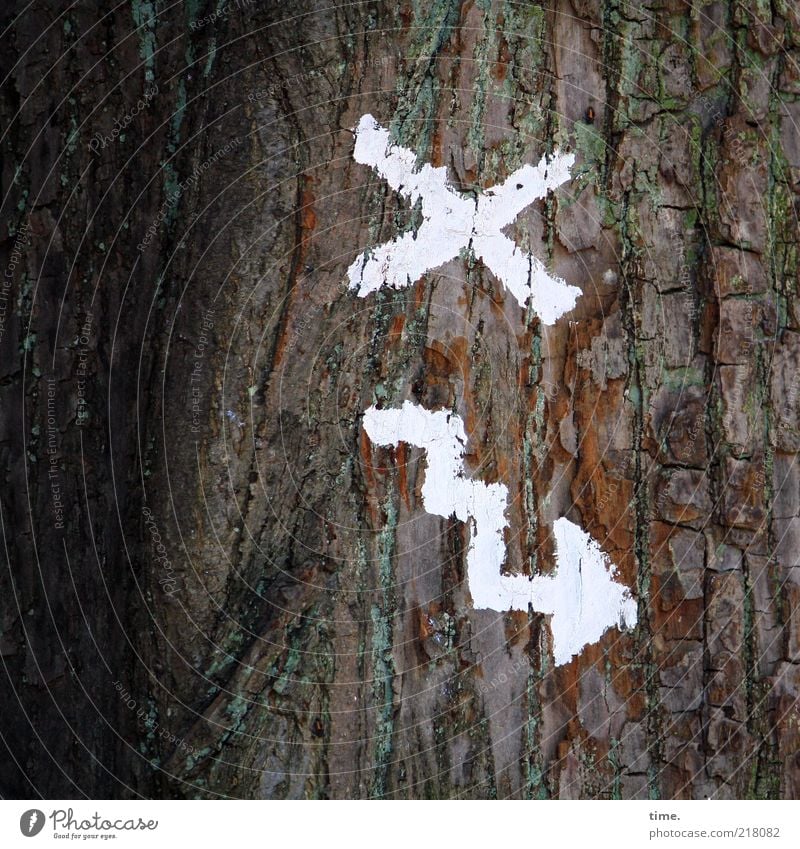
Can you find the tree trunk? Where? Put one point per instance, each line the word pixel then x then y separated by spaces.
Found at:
pixel 217 584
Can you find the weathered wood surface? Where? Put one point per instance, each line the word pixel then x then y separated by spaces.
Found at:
pixel 311 633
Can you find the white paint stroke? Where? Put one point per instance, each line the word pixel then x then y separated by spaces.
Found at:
pixel 453 221
pixel 582 596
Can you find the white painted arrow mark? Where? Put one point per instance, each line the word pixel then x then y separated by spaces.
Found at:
pixel 453 222
pixel 582 596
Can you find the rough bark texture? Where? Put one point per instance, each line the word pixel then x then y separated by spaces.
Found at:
pixel 311 634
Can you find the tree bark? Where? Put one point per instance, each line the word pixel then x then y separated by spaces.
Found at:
pixel 239 594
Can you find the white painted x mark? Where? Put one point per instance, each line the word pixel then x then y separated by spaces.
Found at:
pixel 453 222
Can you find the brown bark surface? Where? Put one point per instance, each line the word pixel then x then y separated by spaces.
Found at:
pixel 306 629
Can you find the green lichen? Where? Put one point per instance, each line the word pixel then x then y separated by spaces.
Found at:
pixel 383 672
pixel 484 49
pixel 534 766
pixel 591 146
pixel 382 661
pixel 144 17
pixel 614 762
pixel 681 378
pixel 418 90
pixel 637 395
pixel 290 666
